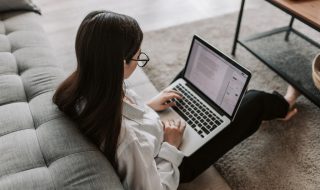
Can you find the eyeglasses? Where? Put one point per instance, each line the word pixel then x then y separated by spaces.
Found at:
pixel 142 60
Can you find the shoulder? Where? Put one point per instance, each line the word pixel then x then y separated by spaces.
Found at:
pixel 132 139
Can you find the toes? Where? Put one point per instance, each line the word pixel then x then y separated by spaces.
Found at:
pixel 290 114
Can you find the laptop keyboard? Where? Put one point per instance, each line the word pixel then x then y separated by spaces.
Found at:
pixel 195 113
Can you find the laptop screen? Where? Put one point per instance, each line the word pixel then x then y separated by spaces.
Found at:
pixel 215 77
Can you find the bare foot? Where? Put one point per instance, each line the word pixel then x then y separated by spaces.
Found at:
pixel 291 97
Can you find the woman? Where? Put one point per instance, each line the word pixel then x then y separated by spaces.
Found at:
pixel 144 150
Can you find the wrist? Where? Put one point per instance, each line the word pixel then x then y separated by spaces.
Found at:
pixel 149 103
pixel 170 153
pixel 173 144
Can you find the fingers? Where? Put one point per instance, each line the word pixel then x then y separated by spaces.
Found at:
pixel 169 94
pixel 178 124
pixel 166 123
pixel 183 125
pixel 169 123
pixel 168 100
pixel 174 91
pixel 164 100
pixel 165 106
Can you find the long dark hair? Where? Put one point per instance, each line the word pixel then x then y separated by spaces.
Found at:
pixel 104 40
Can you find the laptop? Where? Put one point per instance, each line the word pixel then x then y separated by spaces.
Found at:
pixel 212 85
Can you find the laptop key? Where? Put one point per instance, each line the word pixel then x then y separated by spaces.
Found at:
pixel 196 113
pixel 205 130
pixel 207 127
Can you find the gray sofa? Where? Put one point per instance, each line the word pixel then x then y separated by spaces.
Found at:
pixel 40 148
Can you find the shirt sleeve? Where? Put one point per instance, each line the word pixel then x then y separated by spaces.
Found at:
pixel 140 170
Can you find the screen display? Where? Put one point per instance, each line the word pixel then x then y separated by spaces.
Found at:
pixel 215 77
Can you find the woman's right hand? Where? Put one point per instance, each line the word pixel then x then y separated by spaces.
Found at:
pixel 173 131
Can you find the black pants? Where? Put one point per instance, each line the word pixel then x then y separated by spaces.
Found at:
pixel 256 106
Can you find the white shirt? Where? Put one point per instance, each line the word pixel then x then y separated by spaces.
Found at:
pixel 144 160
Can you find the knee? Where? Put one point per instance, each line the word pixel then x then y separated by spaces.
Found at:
pixel 253 104
pixel 253 92
pixel 254 97
pixel 268 105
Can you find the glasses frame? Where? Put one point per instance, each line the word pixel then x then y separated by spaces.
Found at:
pixel 139 60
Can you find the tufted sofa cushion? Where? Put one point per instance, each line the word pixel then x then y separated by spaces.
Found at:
pixel 18 5
pixel 40 148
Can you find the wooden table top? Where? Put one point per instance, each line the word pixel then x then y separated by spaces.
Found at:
pixel 309 10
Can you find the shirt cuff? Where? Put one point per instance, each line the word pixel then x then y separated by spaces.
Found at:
pixel 170 153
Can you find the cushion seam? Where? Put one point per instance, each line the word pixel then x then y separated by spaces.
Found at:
pixel 12 51
pixel 5 33
pixel 84 151
pixel 4 27
pixel 14 132
pixel 12 102
pixel 46 91
pixel 61 116
pixel 37 166
pixel 9 73
pixel 44 159
pixel 47 66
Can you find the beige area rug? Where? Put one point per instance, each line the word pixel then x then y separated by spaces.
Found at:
pixel 280 155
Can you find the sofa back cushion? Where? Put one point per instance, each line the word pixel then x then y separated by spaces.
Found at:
pixel 40 148
pixel 18 5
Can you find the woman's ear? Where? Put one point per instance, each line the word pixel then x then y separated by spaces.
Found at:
pixel 125 69
pixel 125 62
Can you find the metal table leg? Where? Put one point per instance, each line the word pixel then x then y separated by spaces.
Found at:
pixel 289 29
pixel 238 28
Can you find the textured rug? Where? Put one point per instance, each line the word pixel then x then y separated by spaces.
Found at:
pixel 280 155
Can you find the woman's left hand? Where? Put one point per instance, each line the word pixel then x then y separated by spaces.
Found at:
pixel 164 100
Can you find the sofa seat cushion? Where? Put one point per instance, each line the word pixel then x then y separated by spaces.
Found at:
pixel 8 63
